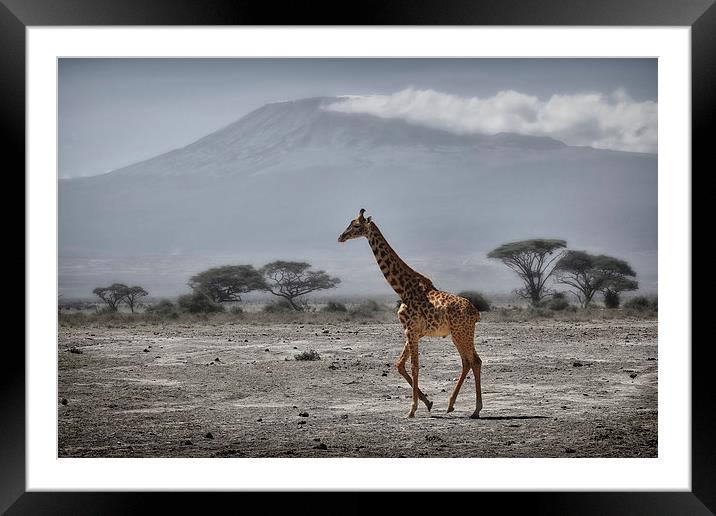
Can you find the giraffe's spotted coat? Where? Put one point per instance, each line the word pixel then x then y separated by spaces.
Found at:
pixel 425 311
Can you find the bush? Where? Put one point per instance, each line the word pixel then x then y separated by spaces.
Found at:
pixel 477 299
pixel 558 303
pixel 611 299
pixel 309 355
pixel 366 309
pixel 641 304
pixel 198 303
pixel 332 306
pixel 236 309
pixel 277 307
pixel 163 308
pixel 539 312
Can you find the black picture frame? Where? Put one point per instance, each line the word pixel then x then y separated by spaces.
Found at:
pixel 16 15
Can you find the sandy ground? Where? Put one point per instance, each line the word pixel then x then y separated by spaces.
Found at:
pixel 550 389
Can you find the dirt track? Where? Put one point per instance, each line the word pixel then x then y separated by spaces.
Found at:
pixel 123 401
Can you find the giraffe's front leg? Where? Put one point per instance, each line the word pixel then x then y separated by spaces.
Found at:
pixel 400 365
pixel 414 367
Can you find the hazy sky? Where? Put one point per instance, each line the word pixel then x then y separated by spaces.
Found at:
pixel 114 112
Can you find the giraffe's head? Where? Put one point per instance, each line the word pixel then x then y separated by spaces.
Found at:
pixel 357 228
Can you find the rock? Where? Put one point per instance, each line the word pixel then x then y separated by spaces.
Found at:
pixel 246 340
pixel 146 350
pixel 320 446
pixel 570 450
pixel 577 364
pixel 325 332
pixel 303 414
pixel 384 374
pixel 217 359
pixel 64 401
pixel 209 435
pixel 259 419
pixel 267 349
pixel 295 347
pixel 344 416
pixel 188 442
pixel 632 375
pixel 75 350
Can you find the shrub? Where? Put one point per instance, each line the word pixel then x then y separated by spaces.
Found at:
pixel 611 299
pixel 641 304
pixel 236 309
pixel 163 308
pixel 558 303
pixel 333 306
pixel 277 307
pixel 539 312
pixel 198 303
pixel 309 355
pixel 477 299
pixel 367 309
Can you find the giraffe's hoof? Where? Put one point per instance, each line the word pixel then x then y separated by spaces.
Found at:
pixel 411 413
pixel 475 415
pixel 429 404
pixel 450 409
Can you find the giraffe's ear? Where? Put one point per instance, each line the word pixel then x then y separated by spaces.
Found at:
pixel 367 221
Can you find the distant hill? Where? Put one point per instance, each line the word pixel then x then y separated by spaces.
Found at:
pixel 284 180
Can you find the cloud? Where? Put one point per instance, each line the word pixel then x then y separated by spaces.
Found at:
pixel 613 121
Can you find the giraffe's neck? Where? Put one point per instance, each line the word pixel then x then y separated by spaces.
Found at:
pixel 398 274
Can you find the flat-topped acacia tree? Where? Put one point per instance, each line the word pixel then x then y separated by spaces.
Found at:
pixel 533 261
pixel 291 280
pixel 226 283
pixel 588 274
pixel 132 296
pixel 112 295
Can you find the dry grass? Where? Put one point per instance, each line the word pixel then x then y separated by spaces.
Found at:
pixel 363 313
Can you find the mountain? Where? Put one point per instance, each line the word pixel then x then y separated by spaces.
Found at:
pixel 284 180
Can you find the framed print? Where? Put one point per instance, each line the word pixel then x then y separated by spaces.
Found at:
pixel 204 314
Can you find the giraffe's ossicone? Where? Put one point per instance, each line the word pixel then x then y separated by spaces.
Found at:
pixel 424 311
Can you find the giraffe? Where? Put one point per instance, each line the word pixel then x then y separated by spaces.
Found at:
pixel 424 311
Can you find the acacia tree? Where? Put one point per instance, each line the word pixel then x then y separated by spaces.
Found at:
pixel 112 295
pixel 588 274
pixel 577 269
pixel 533 261
pixel 132 296
pixel 227 283
pixel 618 277
pixel 290 280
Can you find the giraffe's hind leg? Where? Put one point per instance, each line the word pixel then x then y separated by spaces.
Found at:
pixel 476 365
pixel 456 391
pixel 463 338
pixel 400 365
